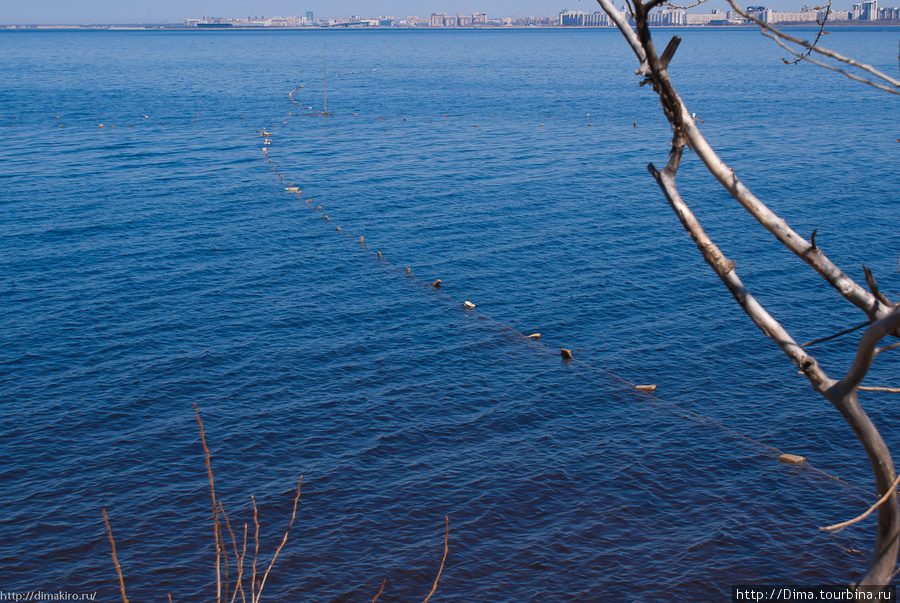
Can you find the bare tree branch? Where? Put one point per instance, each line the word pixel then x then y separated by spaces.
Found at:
pixel 836 335
pixel 887 348
pixel 873 286
pixel 724 268
pixel 683 123
pixel 840 526
pixel 883 316
pixel 865 352
pixel 823 51
pixel 809 59
pixel 819 35
pixel 622 23
pixel 890 390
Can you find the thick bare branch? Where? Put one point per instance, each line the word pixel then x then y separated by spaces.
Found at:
pixel 724 268
pixel 866 351
pixel 632 39
pixel 682 122
pixel 842 394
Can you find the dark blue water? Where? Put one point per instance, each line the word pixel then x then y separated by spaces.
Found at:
pixel 158 261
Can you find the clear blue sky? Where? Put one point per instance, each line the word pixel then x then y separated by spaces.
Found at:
pixel 157 11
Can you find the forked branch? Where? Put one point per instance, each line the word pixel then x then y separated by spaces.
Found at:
pixel 881 313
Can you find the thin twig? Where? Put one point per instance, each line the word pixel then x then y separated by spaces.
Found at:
pixel 818 35
pixel 212 491
pixel 830 337
pixel 381 590
pixel 112 543
pixel 237 558
pixel 890 390
pixel 887 348
pixel 852 76
pixel 844 524
pixel 255 553
pixel 823 51
pixel 446 549
pixel 283 541
pixel 225 550
pixel 240 583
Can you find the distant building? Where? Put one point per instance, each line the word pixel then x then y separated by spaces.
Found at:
pixel 716 15
pixel 309 17
pixel 805 15
pixel 865 11
pixel 668 16
pixel 577 18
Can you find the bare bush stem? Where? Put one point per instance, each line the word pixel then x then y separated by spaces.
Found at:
pixel 444 560
pixel 283 541
pixel 216 527
pixel 112 544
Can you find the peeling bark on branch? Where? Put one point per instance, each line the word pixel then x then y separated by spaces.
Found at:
pixel 881 313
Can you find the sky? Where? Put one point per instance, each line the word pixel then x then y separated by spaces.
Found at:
pixel 71 12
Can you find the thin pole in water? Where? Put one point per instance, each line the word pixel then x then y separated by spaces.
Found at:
pixel 325 75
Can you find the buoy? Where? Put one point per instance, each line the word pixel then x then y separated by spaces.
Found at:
pixel 436 284
pixel 791 459
pixel 379 255
pixel 566 354
pixel 362 240
pixel 469 304
pixel 309 200
pixel 326 217
pixel 339 228
pixel 645 388
pixel 318 207
pixel 534 336
pixel 409 271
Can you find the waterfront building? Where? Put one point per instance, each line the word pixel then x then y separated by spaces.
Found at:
pixel 865 11
pixel 577 18
pixel 668 16
pixel 705 18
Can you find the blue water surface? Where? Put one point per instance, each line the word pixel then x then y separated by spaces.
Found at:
pixel 158 261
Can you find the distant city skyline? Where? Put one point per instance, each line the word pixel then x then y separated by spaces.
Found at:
pixel 67 12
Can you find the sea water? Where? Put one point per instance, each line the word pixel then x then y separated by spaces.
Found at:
pixel 156 261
